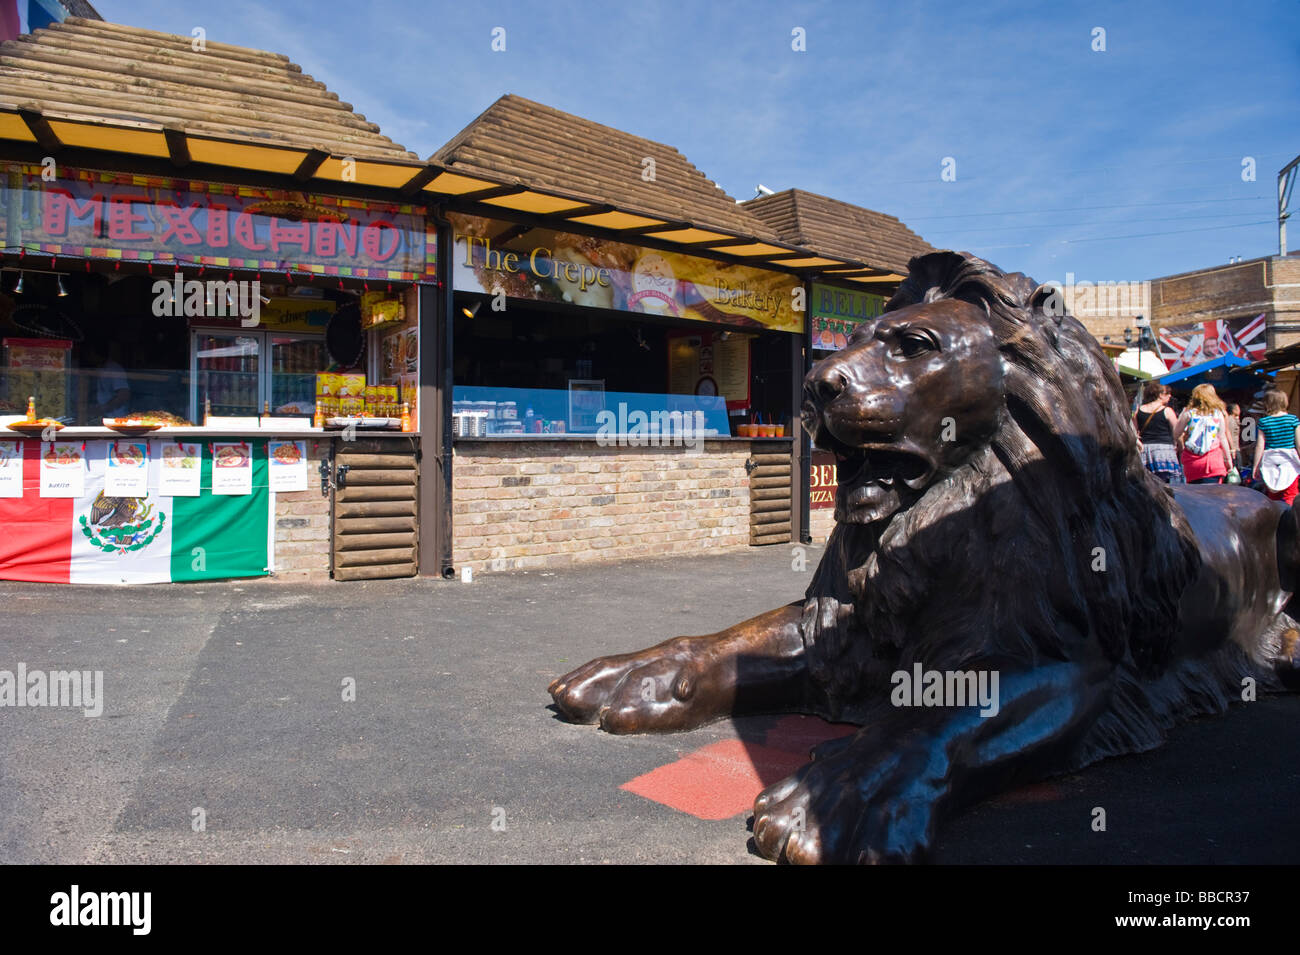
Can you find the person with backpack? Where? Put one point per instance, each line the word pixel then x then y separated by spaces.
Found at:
pixel 1276 461
pixel 1154 422
pixel 1202 431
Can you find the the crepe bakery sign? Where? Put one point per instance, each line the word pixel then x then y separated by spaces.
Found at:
pixel 651 286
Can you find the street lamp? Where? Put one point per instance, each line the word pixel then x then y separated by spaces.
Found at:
pixel 1145 337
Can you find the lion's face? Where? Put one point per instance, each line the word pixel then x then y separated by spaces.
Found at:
pixel 910 398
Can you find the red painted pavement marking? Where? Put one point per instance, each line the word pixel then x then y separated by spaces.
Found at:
pixel 718 781
pixel 799 734
pixel 723 779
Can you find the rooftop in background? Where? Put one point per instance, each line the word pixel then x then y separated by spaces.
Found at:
pixel 831 227
pixel 521 142
pixel 83 88
pixel 123 77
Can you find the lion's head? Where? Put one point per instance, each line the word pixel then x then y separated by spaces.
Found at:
pixel 962 356
pixel 987 470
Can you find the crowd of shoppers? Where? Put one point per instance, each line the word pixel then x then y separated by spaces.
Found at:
pixel 1203 443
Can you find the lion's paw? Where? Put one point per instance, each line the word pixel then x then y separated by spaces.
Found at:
pixel 655 690
pixel 847 807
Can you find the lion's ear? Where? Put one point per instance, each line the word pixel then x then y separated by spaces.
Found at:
pixel 1050 300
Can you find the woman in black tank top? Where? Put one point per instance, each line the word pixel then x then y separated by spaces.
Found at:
pixel 1154 422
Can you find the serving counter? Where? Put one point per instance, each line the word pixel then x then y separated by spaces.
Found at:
pixel 551 500
pixel 202 503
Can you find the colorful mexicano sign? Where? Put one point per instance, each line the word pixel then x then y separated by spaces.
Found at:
pixel 119 216
pixel 836 312
pixel 544 265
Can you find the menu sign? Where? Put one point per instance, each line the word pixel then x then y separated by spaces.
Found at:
pixel 63 469
pixel 232 469
pixel 545 265
pixel 181 468
pixel 288 465
pixel 127 474
pixel 154 219
pixel 11 469
pixel 836 312
pixel 703 363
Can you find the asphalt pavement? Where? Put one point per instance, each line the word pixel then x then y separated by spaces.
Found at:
pixel 226 735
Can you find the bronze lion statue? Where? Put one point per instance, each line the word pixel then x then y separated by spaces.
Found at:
pixel 993 520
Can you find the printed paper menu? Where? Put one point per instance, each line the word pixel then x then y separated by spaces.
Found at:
pixel 288 465
pixel 232 468
pixel 182 466
pixel 127 472
pixel 11 469
pixel 63 469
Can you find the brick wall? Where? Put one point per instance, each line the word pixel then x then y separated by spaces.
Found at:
pixel 523 504
pixel 821 521
pixel 302 525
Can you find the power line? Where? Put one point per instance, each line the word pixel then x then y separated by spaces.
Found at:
pixel 1109 238
pixel 1058 225
pixel 1124 205
pixel 1145 235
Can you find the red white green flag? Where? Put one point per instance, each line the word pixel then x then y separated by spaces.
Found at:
pixel 98 537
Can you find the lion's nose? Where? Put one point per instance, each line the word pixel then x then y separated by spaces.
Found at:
pixel 827 382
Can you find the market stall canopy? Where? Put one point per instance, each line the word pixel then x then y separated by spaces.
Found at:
pixel 840 230
pixel 544 161
pixel 1141 363
pixel 1222 372
pixel 87 85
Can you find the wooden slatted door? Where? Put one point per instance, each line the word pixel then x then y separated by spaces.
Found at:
pixel 769 492
pixel 376 523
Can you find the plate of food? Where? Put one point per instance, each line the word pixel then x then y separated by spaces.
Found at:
pixel 37 427
pixel 127 456
pixel 132 426
pixel 287 453
pixel 231 456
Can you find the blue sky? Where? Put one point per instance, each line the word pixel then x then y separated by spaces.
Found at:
pixel 1116 165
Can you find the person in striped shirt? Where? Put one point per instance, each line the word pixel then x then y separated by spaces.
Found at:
pixel 1276 460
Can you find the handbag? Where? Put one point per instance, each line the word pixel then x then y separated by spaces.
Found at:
pixel 1202 434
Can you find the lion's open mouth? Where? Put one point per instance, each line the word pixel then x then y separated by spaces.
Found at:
pixel 885 467
pixel 875 481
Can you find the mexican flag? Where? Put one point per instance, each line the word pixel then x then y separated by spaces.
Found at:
pixel 98 538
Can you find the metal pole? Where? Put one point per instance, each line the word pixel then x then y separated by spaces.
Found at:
pixel 1285 183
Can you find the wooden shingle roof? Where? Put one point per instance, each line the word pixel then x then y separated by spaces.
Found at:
pixel 520 142
pixel 831 227
pixel 119 74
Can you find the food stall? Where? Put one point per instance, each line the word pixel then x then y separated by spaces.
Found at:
pixel 179 357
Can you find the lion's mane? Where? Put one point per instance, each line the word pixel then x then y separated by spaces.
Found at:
pixel 1052 542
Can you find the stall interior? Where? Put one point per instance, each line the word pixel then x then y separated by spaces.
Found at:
pixel 85 347
pixel 554 369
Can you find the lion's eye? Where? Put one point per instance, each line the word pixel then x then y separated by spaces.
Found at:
pixel 912 344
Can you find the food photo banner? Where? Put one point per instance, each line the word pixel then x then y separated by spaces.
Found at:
pixel 119 216
pixel 836 312
pixel 547 266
